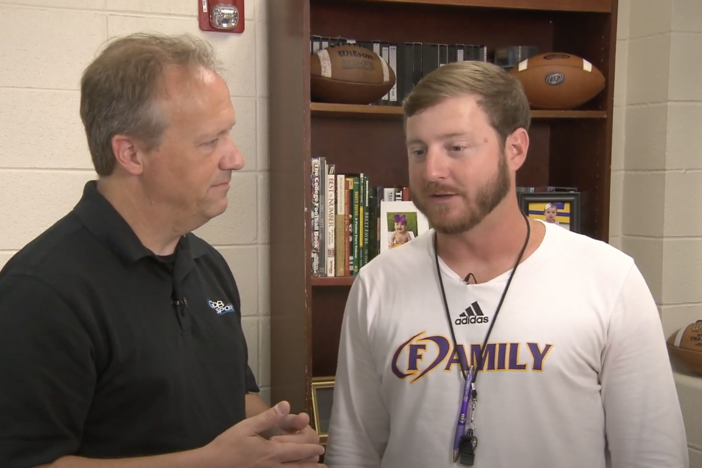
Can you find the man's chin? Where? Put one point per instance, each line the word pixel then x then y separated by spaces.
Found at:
pixel 216 208
pixel 453 225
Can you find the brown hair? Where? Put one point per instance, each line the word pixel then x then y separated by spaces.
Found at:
pixel 501 96
pixel 120 89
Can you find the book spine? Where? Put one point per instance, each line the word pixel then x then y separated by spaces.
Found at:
pixel 385 55
pixel 379 194
pixel 348 226
pixel 389 194
pixel 430 58
pixel 366 221
pixel 443 55
pixel 404 67
pixel 356 224
pixel 361 217
pixel 331 214
pixel 392 61
pixel 322 216
pixel 315 43
pixel 340 252
pixel 315 216
pixel 461 53
pixel 417 65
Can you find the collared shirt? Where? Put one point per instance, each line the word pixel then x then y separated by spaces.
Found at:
pixel 109 351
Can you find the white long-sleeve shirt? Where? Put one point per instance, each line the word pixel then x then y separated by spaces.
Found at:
pixel 576 373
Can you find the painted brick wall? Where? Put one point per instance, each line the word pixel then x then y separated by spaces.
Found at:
pixel 657 168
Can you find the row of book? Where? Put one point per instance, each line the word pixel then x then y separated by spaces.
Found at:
pixel 345 219
pixel 409 60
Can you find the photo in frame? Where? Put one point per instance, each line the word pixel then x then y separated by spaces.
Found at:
pixel 322 399
pixel 560 208
pixel 400 223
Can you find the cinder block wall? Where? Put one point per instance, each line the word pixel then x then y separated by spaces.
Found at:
pixel 657 167
pixel 44 160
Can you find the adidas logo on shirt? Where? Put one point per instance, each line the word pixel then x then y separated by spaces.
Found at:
pixel 472 315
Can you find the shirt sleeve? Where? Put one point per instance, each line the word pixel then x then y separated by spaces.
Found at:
pixel 47 374
pixel 251 385
pixel 360 424
pixel 644 421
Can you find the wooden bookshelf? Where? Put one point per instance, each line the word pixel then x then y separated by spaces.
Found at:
pixel 567 148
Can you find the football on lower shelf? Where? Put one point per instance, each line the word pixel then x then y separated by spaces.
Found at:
pixel 685 346
pixel 558 81
pixel 349 74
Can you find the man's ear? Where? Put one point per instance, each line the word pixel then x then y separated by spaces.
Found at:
pixel 128 154
pixel 516 148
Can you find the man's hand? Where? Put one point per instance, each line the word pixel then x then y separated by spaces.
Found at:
pixel 242 444
pixel 296 428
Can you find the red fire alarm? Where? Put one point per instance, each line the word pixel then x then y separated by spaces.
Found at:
pixel 221 15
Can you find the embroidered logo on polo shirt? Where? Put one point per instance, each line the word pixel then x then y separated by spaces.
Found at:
pixel 220 307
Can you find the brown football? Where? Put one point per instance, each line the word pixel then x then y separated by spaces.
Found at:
pixel 685 345
pixel 557 80
pixel 349 74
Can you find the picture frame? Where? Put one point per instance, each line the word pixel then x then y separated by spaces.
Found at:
pixel 406 214
pixel 322 400
pixel 565 204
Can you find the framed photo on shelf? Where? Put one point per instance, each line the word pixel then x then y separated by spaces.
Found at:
pixel 322 398
pixel 560 208
pixel 400 223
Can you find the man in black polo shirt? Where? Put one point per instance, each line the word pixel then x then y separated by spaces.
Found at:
pixel 120 331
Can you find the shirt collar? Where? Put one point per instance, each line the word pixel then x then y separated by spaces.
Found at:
pixel 110 228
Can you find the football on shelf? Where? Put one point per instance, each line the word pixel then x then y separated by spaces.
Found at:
pixel 685 346
pixel 349 74
pixel 557 80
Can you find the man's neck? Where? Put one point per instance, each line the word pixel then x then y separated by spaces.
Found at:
pixel 491 248
pixel 147 221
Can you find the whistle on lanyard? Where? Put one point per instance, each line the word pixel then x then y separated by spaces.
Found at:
pixel 466 451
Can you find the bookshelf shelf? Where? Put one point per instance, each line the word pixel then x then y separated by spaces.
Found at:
pixel 568 114
pixel 360 111
pixel 321 109
pixel 333 281
pixel 602 6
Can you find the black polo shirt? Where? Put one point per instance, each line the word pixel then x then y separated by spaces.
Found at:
pixel 109 351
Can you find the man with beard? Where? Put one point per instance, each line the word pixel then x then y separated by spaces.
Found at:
pixel 436 370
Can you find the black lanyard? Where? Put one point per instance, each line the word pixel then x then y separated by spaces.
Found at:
pixel 466 454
